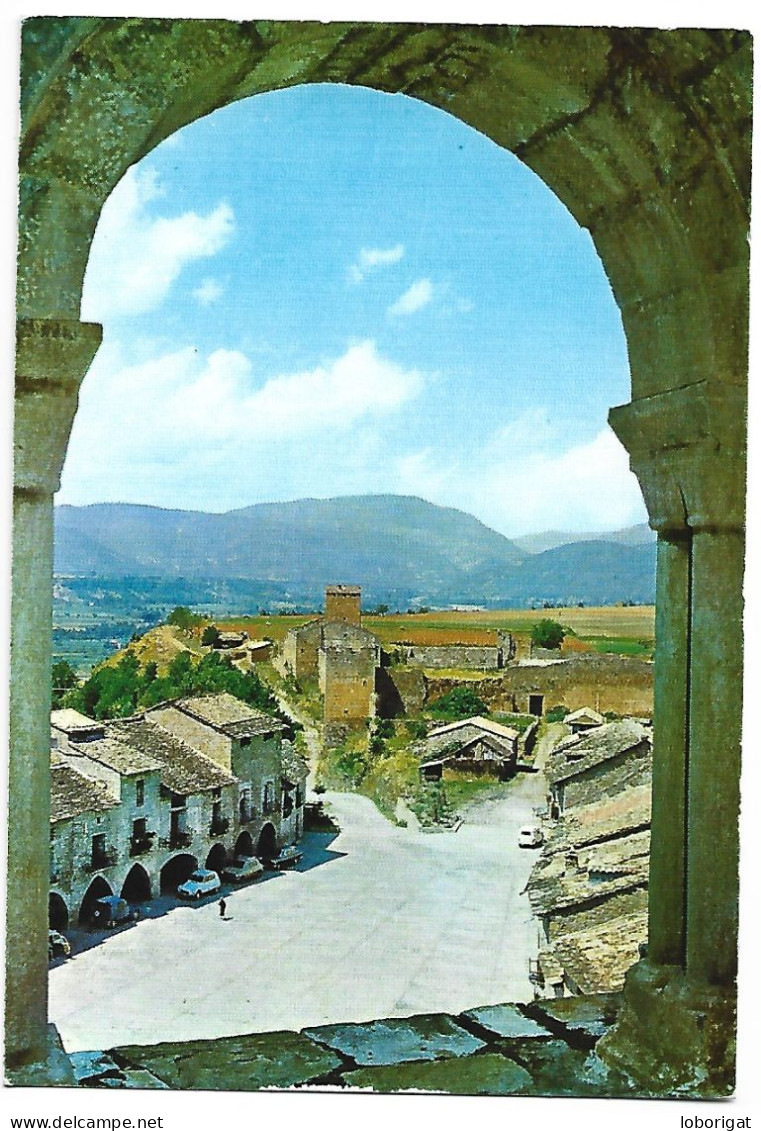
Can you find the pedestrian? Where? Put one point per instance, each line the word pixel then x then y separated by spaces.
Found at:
pixel 222 908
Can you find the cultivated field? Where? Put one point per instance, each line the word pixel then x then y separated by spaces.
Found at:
pixel 628 629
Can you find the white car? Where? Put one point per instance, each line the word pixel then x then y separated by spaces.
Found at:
pixel 201 882
pixel 530 836
pixel 242 869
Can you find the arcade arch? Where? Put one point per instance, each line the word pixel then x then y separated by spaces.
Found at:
pixel 176 870
pixel 137 885
pixel 244 845
pixel 266 846
pixel 98 889
pixel 217 858
pixel 58 912
pixel 644 136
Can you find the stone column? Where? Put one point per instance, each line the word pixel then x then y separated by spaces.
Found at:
pixel 713 797
pixel 52 358
pixel 668 869
pixel 675 1033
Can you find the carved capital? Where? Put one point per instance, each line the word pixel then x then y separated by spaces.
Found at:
pixel 687 448
pixel 52 357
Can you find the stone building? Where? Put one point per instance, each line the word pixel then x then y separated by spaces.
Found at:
pixel 340 655
pixel 189 783
pixel 589 892
pixel 602 761
pixel 348 659
pixel 83 831
pixel 343 603
pixel 583 720
pixel 461 654
pixel 623 684
pixel 475 746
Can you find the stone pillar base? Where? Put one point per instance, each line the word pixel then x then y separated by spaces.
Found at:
pixel 54 1071
pixel 673 1037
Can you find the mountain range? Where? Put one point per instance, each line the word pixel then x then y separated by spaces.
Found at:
pixel 402 550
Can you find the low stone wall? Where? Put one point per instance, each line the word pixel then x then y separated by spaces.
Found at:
pixel 480 657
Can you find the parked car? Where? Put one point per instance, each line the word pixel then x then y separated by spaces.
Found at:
pixel 531 836
pixel 111 910
pixel 287 857
pixel 58 945
pixel 201 882
pixel 243 868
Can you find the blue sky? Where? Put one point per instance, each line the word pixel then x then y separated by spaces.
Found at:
pixel 331 291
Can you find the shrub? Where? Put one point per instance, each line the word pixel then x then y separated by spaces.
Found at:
pixel 210 635
pixel 557 714
pixel 548 633
pixel 459 703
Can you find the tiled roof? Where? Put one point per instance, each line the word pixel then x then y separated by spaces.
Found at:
pixel 584 715
pixel 559 882
pixel 67 719
pixel 503 751
pixel 624 812
pixel 578 753
pixel 232 716
pixel 183 769
pixel 110 751
pixel 477 721
pixel 72 794
pixel 597 958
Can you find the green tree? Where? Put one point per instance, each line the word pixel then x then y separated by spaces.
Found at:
pixel 183 618
pixel 548 633
pixel 64 679
pixel 459 703
pixel 210 636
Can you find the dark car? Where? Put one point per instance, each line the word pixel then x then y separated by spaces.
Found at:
pixel 111 911
pixel 287 857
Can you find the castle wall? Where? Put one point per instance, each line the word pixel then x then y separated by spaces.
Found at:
pixel 606 683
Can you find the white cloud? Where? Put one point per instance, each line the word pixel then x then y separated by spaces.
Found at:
pixel 136 256
pixel 522 482
pixel 414 298
pixel 371 258
pixel 208 292
pixel 182 427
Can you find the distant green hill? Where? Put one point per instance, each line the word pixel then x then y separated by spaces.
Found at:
pixel 400 549
pixel 639 535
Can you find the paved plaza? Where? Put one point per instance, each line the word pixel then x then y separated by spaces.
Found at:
pixel 378 922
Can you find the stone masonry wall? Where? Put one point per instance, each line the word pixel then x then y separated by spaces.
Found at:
pixel 626 771
pixel 606 683
pixel 479 656
pixel 349 684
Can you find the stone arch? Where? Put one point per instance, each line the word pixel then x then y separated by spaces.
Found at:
pixel 58 912
pixel 244 845
pixel 98 889
pixel 176 870
pixel 137 885
pixel 266 846
pixel 644 135
pixel 216 857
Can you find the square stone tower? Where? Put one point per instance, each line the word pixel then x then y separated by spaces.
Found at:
pixel 342 603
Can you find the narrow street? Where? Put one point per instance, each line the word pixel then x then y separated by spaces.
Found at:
pixel 377 922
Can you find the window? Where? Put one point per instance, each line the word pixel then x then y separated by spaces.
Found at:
pixel 139 792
